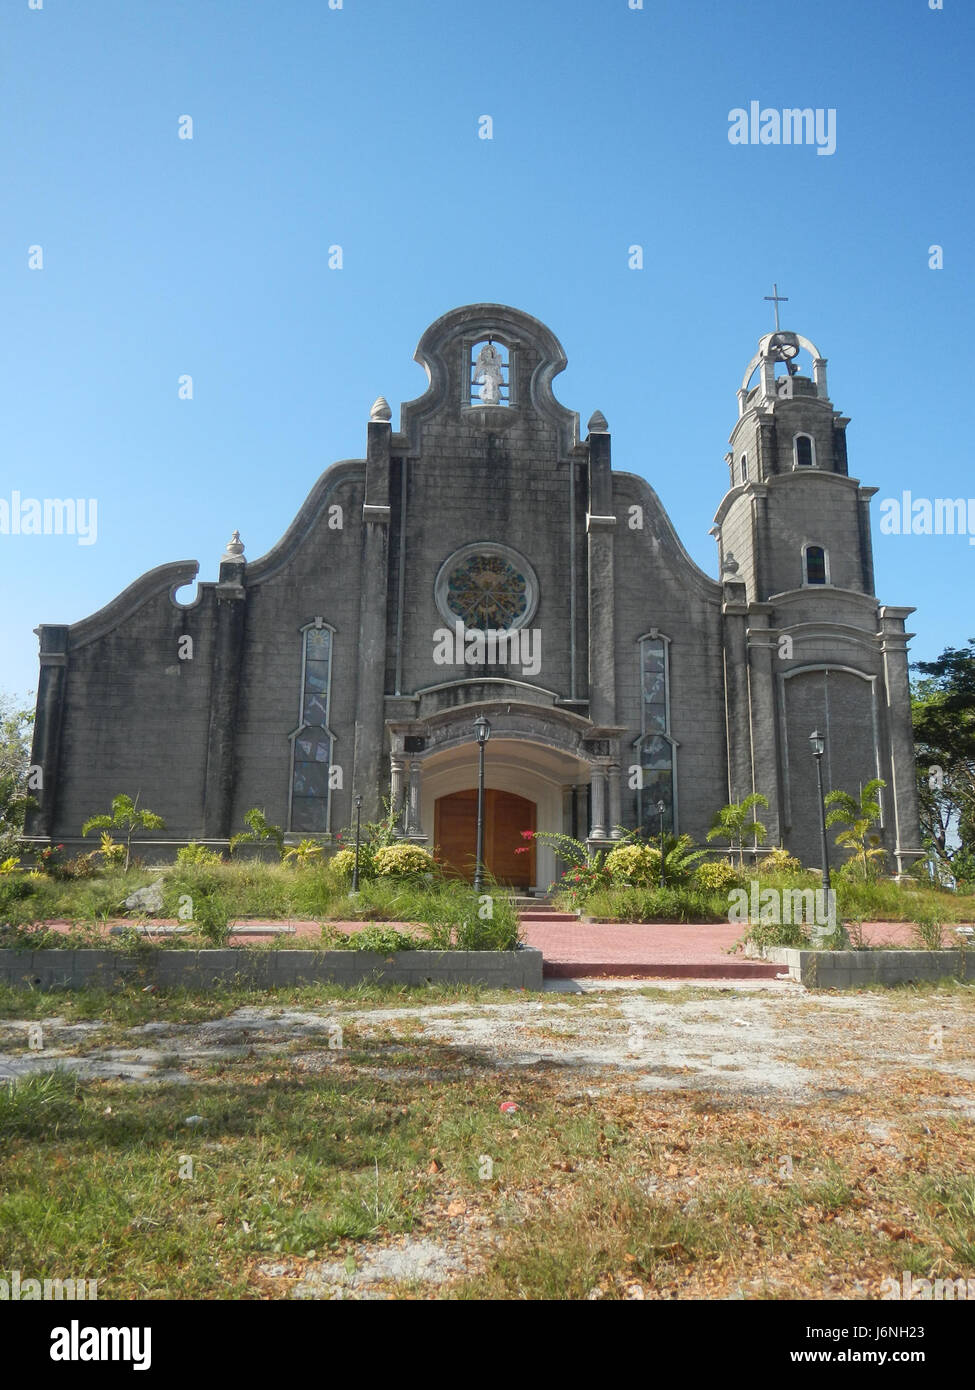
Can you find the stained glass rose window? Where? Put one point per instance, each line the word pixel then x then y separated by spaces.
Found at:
pixel 487 587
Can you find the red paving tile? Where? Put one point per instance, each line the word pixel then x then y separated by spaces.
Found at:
pixel 661 949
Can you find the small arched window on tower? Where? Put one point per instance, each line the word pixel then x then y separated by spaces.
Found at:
pixel 815 565
pixel 743 469
pixel 311 776
pixel 804 449
pixel 490 383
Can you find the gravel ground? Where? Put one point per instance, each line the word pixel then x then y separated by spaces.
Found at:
pixel 772 1045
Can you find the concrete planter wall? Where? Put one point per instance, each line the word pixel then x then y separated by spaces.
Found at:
pixel 854 969
pixel 106 969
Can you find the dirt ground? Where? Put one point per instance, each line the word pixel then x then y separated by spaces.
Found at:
pixel 875 1068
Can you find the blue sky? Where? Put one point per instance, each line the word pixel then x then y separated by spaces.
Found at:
pixel 358 127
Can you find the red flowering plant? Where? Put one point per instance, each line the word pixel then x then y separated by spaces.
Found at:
pixel 49 857
pixel 585 872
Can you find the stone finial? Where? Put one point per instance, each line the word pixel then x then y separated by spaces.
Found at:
pixel 730 565
pixel 234 549
pixel 380 410
pixel 597 423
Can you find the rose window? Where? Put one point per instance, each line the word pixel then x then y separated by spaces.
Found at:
pixel 487 587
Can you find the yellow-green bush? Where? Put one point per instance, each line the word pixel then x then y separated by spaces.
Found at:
pixel 343 862
pixel 402 861
pixel 779 861
pixel 194 853
pixel 636 865
pixel 717 877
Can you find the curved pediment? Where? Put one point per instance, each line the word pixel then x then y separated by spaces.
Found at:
pixel 534 358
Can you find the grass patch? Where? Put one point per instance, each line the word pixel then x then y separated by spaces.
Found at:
pixel 308 1154
pixel 655 905
pixel 208 896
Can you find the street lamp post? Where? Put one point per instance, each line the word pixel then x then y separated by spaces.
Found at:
pixel 661 808
pixel 355 868
pixel 818 746
pixel 482 732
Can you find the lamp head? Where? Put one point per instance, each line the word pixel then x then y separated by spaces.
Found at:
pixel 817 744
pixel 482 729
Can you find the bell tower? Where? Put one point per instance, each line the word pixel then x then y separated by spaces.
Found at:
pixel 793 518
pixel 806 644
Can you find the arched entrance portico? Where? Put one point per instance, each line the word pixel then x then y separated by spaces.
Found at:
pixel 555 759
pixel 523 780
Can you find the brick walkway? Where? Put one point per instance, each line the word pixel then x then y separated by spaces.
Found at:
pixel 662 950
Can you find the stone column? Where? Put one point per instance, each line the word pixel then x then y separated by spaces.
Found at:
pixel 373 588
pixel 600 525
pixel 597 801
pixel 864 495
pixel 413 827
pixel 734 622
pixel 397 783
pixel 231 596
pixel 613 773
pixel 46 746
pixel 900 794
pixel 763 718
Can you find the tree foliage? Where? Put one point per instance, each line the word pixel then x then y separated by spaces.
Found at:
pixel 16 724
pixel 943 712
pixel 859 816
pixel 125 817
pixel 736 823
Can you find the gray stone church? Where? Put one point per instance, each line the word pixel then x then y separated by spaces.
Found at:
pixel 486 559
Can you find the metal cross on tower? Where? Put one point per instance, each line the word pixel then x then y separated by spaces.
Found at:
pixel 779 299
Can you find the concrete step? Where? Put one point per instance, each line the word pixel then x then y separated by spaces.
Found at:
pixel 663 970
pixel 540 915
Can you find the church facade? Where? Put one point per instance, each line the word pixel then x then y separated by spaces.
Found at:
pixel 486 559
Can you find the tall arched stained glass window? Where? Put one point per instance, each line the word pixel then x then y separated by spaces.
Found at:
pixel 312 740
pixel 657 750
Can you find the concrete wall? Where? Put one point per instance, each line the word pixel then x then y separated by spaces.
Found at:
pixel 855 969
pixel 56 969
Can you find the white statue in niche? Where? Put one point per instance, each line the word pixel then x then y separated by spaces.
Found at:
pixel 489 369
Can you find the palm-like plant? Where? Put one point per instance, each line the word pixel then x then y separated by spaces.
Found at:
pixel 859 817
pixel 303 852
pixel 125 817
pixel 736 823
pixel 261 832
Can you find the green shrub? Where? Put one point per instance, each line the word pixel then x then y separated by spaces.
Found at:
pixel 668 904
pixel 779 861
pixel 928 931
pixel 305 852
pixel 343 862
pixel 125 816
pixel 14 888
pixel 261 832
pixel 763 934
pixel 211 919
pixel 81 866
pixel 402 861
pixel 195 853
pixel 111 853
pixel 717 877
pixel 636 865
pixel 385 940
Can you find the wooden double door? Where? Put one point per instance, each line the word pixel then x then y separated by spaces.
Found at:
pixel 506 817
